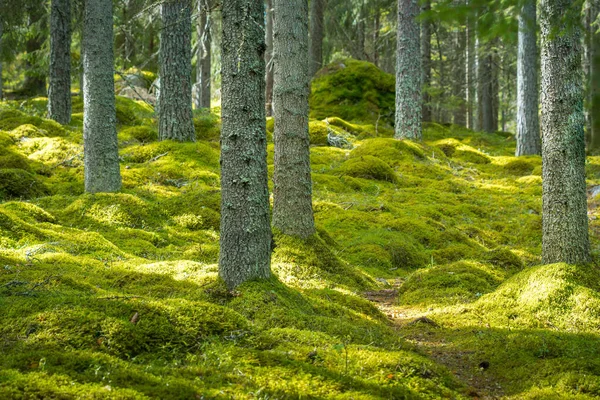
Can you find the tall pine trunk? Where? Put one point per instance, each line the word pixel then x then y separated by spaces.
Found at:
pixel 35 79
pixel 1 80
pixel 269 59
pixel 459 84
pixel 594 144
pixel 203 55
pixel 408 73
pixel 245 224
pixel 528 124
pixel 317 33
pixel 471 74
pixel 101 153
pixel 292 192
pixel 565 221
pixel 485 90
pixel 59 90
pixel 175 96
pixel 426 62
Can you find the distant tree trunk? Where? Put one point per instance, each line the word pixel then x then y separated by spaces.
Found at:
pixel 471 75
pixel 269 59
pixel 1 79
pixel 495 86
pixel 485 89
pixel 565 221
pixel 459 84
pixel 317 32
pixel 35 81
pixel 245 226
pixel 292 191
pixel 528 124
pixel 442 109
pixel 175 96
pixel 203 55
pixel 426 62
pixel 376 30
pixel 59 90
pixel 594 144
pixel 101 153
pixel 408 73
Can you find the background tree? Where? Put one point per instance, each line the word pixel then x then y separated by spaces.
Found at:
pixel 203 58
pixel 408 73
pixel 175 96
pixel 317 32
pixel 101 153
pixel 426 59
pixel 292 191
pixel 269 58
pixel 594 81
pixel 59 90
pixel 565 221
pixel 245 224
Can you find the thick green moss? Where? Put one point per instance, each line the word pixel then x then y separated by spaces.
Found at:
pixel 354 91
pixel 143 134
pixel 20 184
pixel 368 167
pixel 208 125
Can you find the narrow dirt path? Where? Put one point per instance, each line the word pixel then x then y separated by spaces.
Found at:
pixel 429 337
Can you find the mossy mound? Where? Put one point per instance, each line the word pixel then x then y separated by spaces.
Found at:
pixel 354 91
pixel 368 167
pixel 142 134
pixel 321 133
pixel 20 184
pixel 452 148
pixel 392 151
pixel 208 125
pixel 12 120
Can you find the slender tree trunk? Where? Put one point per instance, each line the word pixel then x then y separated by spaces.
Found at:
pixel 528 124
pixel 1 79
pixel 35 80
pixel 101 153
pixel 594 144
pixel 426 62
pixel 485 89
pixel 203 55
pixel 471 75
pixel 317 33
pixel 59 90
pixel 408 73
pixel 459 84
pixel 292 190
pixel 565 221
pixel 269 59
pixel 175 96
pixel 476 93
pixel 376 30
pixel 245 224
pixel 495 85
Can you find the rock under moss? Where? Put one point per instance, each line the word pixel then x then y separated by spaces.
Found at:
pixel 20 184
pixel 368 167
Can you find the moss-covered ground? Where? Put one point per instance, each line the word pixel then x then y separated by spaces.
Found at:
pixel 117 296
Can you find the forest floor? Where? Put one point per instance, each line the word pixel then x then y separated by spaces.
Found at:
pixel 424 280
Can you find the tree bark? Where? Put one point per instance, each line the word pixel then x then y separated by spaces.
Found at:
pixel 408 73
pixel 317 33
pixel 471 74
pixel 485 89
pixel 426 62
pixel 101 154
pixel 203 55
pixel 59 90
pixel 1 79
pixel 528 124
pixel 292 192
pixel 565 221
pixel 460 112
pixel 35 80
pixel 269 59
pixel 175 96
pixel 245 224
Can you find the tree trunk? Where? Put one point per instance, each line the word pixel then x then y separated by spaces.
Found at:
pixel 101 153
pixel 475 83
pixel 594 144
pixel 458 87
pixel 317 32
pixel 376 30
pixel 269 59
pixel 59 90
pixel 245 226
pixel 565 221
pixel 426 62
pixel 1 79
pixel 35 80
pixel 485 89
pixel 203 55
pixel 292 191
pixel 175 96
pixel 495 86
pixel 408 73
pixel 528 124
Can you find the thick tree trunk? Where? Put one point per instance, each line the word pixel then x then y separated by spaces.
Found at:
pixel 408 73
pixel 203 55
pixel 101 153
pixel 269 59
pixel 292 192
pixel 528 124
pixel 317 33
pixel 245 226
pixel 59 90
pixel 565 221
pixel 594 143
pixel 459 84
pixel 426 62
pixel 485 90
pixel 175 96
